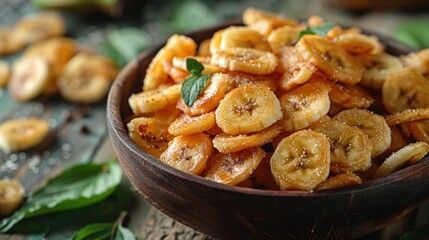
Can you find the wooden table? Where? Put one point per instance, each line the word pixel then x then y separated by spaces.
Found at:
pixel 79 135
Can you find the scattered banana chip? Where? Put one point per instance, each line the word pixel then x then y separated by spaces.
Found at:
pixel 4 73
pixel 39 26
pixel 9 42
pixel 11 196
pixel 279 113
pixel 22 134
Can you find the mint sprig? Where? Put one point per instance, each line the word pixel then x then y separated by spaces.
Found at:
pixel 194 83
pixel 321 30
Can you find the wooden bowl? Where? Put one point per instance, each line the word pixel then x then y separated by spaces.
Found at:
pixel 228 212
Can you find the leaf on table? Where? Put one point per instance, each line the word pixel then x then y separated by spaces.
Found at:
pixel 97 231
pixel 76 187
pixel 123 233
pixel 420 233
pixel 413 33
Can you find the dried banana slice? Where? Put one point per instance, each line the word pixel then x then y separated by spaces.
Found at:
pixel 217 86
pixel 22 134
pixel 410 154
pixel 297 75
pixel 188 153
pixel 304 106
pixel 405 89
pixel 264 27
pixel 407 115
pixel 397 143
pixel 373 125
pixel 185 124
pixel 288 57
pixel 252 15
pixel 248 108
pixel 246 60
pixel 176 46
pixel 153 100
pixel 301 161
pixel 150 134
pixel 418 60
pixel 358 43
pixel 11 196
pixel 86 78
pixel 9 42
pixel 29 77
pixel 284 36
pixel 340 181
pixel 180 62
pixel 226 143
pixel 330 59
pixel 420 130
pixel 243 37
pixel 314 21
pixel 4 73
pixel 204 48
pixel 377 68
pixel 233 168
pixel 39 26
pixel 350 147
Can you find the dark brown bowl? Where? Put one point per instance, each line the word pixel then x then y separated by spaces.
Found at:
pixel 230 212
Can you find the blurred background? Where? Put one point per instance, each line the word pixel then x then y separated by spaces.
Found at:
pixel 120 30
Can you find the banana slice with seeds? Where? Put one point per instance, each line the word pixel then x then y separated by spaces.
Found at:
pixel 410 154
pixel 30 75
pixel 11 196
pixel 252 15
pixel 188 153
pixel 407 115
pixel 185 124
pixel 377 68
pixel 243 37
pixel 153 100
pixel 22 134
pixel 248 108
pixel 301 161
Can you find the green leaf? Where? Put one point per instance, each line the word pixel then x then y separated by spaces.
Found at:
pixel 192 87
pixel 97 231
pixel 123 233
pixel 420 233
pixel 193 66
pixel 76 187
pixel 128 42
pixel 413 33
pixel 109 51
pixel 321 30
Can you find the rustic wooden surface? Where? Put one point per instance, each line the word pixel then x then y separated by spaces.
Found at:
pixel 79 132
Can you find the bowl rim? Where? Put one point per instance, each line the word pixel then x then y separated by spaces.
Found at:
pixel 117 127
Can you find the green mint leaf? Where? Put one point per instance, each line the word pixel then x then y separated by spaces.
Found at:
pixel 97 231
pixel 413 33
pixel 193 66
pixel 76 187
pixel 321 30
pixel 192 87
pixel 128 42
pixel 123 233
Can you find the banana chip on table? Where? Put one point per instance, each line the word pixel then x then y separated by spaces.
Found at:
pixel 285 105
pixel 11 196
pixel 4 73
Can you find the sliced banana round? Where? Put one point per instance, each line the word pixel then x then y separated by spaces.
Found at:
pixel 11 196
pixel 9 42
pixel 397 143
pixel 350 147
pixel 246 60
pixel 314 21
pixel 243 37
pixel 180 62
pixel 188 153
pixel 239 79
pixel 377 68
pixel 407 115
pixel 405 89
pixel 39 26
pixel 373 125
pixel 420 130
pixel 86 78
pixel 287 57
pixel 341 180
pixel 22 133
pixel 358 43
pixel 284 36
pixel 296 75
pixel 410 154
pixel 176 46
pixel 204 48
pixel 304 106
pixel 233 168
pixel 330 59
pixel 264 27
pixel 185 125
pixel 248 108
pixel 217 86
pixel 418 60
pixel 4 73
pixel 301 161
pixel 226 143
pixel 252 15
pixel 150 134
pixel 29 77
pixel 153 100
